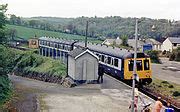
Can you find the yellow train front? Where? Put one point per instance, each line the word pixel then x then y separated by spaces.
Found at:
pixel 144 70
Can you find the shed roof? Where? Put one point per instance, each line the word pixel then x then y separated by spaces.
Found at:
pixel 76 52
pixel 174 40
pixel 80 51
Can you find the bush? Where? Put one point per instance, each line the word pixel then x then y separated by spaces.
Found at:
pixel 175 55
pixel 171 86
pixel 165 82
pixel 5 88
pixel 154 56
pixel 176 93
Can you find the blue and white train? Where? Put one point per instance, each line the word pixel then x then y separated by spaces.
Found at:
pixel 116 62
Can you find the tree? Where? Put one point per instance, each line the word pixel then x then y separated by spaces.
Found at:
pixel 124 40
pixel 3 9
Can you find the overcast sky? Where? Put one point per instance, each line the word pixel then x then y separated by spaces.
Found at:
pixel 168 9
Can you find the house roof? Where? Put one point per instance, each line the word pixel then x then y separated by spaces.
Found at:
pixel 174 40
pixel 132 42
pixel 80 51
pixel 111 41
pixel 152 41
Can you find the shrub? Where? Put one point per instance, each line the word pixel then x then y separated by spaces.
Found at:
pixel 171 86
pixel 176 93
pixel 5 89
pixel 154 56
pixel 175 55
pixel 165 82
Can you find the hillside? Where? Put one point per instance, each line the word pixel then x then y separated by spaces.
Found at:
pixel 112 26
pixel 26 33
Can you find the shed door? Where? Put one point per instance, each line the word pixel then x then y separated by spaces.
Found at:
pixel 88 70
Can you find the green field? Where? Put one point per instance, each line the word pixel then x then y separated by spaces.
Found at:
pixel 26 33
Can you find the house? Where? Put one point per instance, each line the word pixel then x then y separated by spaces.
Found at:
pixel 132 43
pixel 155 44
pixel 82 65
pixel 171 43
pixel 116 41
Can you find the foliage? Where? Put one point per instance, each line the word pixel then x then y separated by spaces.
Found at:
pixel 176 93
pixel 29 61
pixel 175 55
pixel 165 88
pixel 3 9
pixel 113 26
pixel 124 40
pixel 154 56
pixel 6 65
pixel 5 89
pixel 6 60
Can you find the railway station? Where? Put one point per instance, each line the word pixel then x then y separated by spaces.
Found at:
pixel 89 56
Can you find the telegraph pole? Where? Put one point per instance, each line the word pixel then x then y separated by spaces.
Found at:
pixel 86 34
pixel 134 67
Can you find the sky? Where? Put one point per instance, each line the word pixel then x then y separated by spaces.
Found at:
pixel 156 9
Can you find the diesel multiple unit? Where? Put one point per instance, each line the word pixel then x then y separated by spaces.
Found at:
pixel 115 61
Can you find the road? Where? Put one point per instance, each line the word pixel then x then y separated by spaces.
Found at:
pixel 111 96
pixel 168 70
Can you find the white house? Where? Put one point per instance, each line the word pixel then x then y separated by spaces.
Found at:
pixel 171 43
pixel 116 41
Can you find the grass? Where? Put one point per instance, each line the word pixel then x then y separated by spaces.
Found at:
pixel 50 66
pixel 166 88
pixel 28 60
pixel 26 33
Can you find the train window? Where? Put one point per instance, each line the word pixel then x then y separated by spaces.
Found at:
pixel 146 64
pixel 102 58
pixel 130 65
pixel 105 59
pixel 51 44
pixel 139 65
pixel 55 45
pixel 48 44
pixel 116 62
pixel 109 60
pixel 99 57
pixel 112 61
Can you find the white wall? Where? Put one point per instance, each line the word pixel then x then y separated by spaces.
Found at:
pixel 71 67
pixel 86 67
pixel 167 45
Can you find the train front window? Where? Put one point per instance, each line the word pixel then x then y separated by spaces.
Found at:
pixel 102 58
pixel 138 65
pixel 130 65
pixel 146 64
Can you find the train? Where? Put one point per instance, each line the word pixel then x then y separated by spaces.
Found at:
pixel 116 62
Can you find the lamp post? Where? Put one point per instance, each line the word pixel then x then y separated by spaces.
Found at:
pixel 86 34
pixel 134 66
